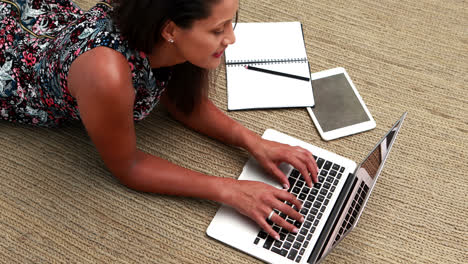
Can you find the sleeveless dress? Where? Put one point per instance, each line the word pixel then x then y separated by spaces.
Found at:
pixel 39 40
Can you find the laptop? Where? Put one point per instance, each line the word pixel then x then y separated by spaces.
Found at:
pixel 331 208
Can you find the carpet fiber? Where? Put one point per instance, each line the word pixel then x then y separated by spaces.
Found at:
pixel 58 203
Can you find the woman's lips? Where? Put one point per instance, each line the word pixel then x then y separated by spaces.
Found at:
pixel 218 54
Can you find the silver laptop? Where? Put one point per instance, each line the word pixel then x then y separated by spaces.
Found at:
pixel 331 208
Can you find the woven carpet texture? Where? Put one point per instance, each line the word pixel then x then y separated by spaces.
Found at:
pixel 59 204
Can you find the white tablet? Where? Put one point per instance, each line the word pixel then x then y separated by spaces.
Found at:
pixel 339 109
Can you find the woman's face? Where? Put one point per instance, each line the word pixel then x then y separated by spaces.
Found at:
pixel 204 43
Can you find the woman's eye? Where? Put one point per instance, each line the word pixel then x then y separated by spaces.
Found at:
pixel 219 31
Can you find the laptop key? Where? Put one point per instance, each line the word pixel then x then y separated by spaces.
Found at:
pixel 366 188
pixel 297 224
pixel 313 211
pixel 291 181
pixel 262 234
pixel 296 190
pixel 297 245
pixel 295 173
pixel 287 245
pixel 320 198
pixel 276 250
pixel 278 244
pixel 268 242
pixel 292 254
pixel 327 165
pixel 300 238
pixel 302 251
pixel 320 162
pixel 256 240
pixel 302 196
pixel 299 184
pixel 298 259
pixel 282 236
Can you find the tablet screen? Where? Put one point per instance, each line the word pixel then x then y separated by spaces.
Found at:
pixel 336 104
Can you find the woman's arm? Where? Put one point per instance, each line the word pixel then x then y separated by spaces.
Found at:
pixel 100 80
pixel 211 121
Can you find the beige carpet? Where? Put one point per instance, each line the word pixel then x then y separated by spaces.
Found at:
pixel 58 203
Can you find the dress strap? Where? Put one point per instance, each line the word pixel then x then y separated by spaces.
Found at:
pixel 20 22
pixel 106 3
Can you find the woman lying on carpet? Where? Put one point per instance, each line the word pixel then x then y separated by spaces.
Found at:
pixel 109 67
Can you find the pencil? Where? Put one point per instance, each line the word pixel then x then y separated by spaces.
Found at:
pixel 277 73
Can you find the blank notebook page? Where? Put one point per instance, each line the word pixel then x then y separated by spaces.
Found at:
pixel 272 46
pixel 260 41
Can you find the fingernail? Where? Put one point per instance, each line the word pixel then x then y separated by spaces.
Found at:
pixel 302 219
pixel 295 230
pixel 277 237
pixel 285 186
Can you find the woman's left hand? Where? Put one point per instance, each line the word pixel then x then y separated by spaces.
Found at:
pixel 271 154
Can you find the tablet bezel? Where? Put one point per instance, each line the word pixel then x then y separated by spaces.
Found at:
pixel 348 130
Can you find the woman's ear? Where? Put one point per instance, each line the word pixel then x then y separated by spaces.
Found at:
pixel 169 31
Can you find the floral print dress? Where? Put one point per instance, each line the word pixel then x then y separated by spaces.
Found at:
pixel 39 40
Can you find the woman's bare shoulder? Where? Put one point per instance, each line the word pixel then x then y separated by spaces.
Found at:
pixel 99 70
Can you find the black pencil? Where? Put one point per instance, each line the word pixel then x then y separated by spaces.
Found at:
pixel 277 73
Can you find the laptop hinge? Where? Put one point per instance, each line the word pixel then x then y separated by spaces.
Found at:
pixel 332 219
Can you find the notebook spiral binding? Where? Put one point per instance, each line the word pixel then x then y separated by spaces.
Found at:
pixel 237 63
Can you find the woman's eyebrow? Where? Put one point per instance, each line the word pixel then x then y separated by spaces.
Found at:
pixel 224 22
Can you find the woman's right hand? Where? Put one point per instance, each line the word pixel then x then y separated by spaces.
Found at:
pixel 257 200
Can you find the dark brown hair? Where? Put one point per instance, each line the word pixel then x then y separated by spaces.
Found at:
pixel 141 23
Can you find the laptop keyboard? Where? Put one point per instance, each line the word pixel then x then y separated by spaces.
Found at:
pixel 314 202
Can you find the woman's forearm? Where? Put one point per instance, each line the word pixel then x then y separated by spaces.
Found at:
pixel 211 121
pixel 153 174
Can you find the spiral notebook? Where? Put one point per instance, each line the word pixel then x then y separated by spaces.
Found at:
pixel 274 46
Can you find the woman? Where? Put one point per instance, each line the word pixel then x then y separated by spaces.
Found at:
pixel 108 67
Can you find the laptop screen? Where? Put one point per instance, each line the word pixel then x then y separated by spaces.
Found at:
pixel 372 164
pixel 370 168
